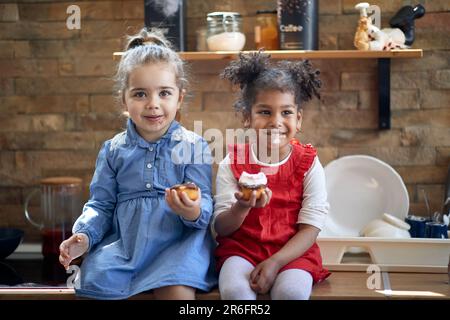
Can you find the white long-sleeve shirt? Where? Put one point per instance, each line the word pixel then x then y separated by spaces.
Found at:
pixel 314 205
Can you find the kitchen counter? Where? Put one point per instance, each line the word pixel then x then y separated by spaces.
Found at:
pixel 31 277
pixel 340 285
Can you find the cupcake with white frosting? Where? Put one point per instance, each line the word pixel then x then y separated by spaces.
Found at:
pixel 252 182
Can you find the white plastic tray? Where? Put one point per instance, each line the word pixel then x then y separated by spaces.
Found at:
pixel 401 255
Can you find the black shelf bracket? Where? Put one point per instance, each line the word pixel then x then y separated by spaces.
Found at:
pixel 384 93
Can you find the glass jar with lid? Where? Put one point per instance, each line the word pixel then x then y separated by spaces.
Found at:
pixel 61 204
pixel 266 30
pixel 224 31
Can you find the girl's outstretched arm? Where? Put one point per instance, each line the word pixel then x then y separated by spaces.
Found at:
pixel 73 248
pixel 96 218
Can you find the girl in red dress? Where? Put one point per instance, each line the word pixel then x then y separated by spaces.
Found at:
pixel 269 244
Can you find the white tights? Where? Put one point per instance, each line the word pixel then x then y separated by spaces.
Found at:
pixel 234 282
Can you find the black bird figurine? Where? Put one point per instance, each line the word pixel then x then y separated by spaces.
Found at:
pixel 404 20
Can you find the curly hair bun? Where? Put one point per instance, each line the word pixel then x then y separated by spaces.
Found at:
pixel 306 77
pixel 247 68
pixel 145 37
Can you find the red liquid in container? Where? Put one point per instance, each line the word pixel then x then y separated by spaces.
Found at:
pixel 51 240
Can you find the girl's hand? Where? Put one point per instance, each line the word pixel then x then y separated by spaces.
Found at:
pixel 263 276
pixel 264 200
pixel 183 206
pixel 73 248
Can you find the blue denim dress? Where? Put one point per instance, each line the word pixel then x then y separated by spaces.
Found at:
pixel 136 242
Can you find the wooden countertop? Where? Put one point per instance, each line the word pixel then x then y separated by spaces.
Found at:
pixel 340 285
pixel 353 285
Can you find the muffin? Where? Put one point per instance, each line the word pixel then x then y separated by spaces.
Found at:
pixel 252 182
pixel 189 188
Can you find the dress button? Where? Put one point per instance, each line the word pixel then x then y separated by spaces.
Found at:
pixel 148 185
pixel 149 165
pixel 150 149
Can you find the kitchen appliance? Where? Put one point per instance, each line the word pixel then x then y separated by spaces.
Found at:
pixel 61 204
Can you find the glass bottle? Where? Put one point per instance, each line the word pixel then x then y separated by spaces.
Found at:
pixel 266 30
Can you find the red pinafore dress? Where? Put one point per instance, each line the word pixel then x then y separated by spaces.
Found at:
pixel 266 230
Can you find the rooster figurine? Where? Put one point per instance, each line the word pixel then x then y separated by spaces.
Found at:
pixel 361 40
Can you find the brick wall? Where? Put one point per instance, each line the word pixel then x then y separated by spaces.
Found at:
pixel 56 106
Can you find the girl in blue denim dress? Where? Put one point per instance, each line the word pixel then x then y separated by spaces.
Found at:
pixel 137 233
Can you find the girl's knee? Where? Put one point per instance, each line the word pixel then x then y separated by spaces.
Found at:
pixel 235 291
pixel 177 292
pixel 290 293
pixel 292 284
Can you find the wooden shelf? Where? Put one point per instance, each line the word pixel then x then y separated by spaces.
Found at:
pixel 301 54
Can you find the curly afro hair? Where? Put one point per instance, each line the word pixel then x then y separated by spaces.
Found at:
pixel 253 72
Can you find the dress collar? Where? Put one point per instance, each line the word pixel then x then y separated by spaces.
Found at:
pixel 275 164
pixel 135 138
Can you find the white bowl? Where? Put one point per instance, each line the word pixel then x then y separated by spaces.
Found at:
pixel 360 188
